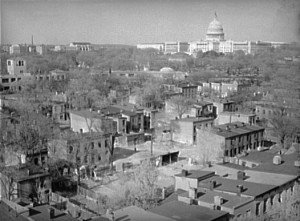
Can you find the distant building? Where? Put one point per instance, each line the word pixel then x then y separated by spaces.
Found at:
pixel 17 77
pixel 80 46
pixel 185 130
pixel 176 47
pixel 220 105
pixel 41 49
pixel 18 49
pixel 215 31
pixel 158 46
pixel 231 139
pixel 87 120
pixel 229 117
pixel 16 66
pixel 54 75
pixel 90 149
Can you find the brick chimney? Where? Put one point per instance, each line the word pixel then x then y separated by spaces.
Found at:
pixel 212 184
pixel 193 193
pixel 51 213
pixel 218 200
pixel 241 175
pixel 184 173
pixel 240 189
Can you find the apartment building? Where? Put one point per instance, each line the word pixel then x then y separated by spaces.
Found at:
pixel 89 149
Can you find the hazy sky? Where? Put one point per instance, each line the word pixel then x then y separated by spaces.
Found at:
pixel 138 21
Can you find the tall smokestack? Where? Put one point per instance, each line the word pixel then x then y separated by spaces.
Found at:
pixel 31 39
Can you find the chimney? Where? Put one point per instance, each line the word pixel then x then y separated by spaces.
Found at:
pixel 240 175
pixel 239 189
pixel 277 160
pixel 184 173
pixel 218 201
pixel 212 184
pixel 193 193
pixel 51 213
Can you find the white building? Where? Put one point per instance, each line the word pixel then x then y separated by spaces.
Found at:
pixel 157 46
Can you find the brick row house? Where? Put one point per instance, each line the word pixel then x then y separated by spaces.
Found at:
pixel 232 138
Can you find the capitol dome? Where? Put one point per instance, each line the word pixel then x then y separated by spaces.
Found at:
pixel 215 30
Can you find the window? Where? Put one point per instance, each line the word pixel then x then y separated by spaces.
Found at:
pixel 106 143
pixel 99 144
pixel 9 63
pixel 71 149
pixel 92 145
pixel 21 71
pixel 5 80
pixel 99 157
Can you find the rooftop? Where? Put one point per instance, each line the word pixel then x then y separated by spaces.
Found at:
pixel 195 119
pixel 230 200
pixel 265 161
pixel 230 186
pixel 230 170
pixel 181 211
pixel 196 174
pixel 134 213
pixel 236 113
pixel 235 129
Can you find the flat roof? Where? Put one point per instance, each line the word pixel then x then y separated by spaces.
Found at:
pixel 265 160
pixel 41 213
pixel 230 200
pixel 230 170
pixel 195 119
pixel 196 174
pixel 236 113
pixel 134 213
pixel 177 210
pixel 230 185
pixel 235 129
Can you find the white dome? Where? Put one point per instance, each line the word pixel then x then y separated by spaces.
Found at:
pixel 215 30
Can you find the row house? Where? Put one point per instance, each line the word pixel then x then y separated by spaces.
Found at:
pixel 91 149
pixel 239 197
pixel 232 139
pixel 55 75
pixel 222 105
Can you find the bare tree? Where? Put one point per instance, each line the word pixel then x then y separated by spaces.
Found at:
pixel 181 105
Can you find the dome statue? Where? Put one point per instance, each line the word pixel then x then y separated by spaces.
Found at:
pixel 215 30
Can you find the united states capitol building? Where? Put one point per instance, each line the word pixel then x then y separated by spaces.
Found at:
pixel 214 41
